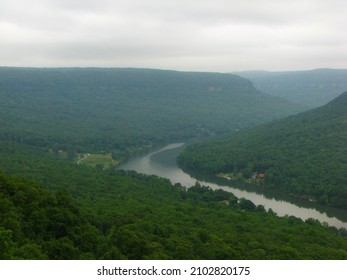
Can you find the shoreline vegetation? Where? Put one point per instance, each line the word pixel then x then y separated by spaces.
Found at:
pixel 63 131
pixel 255 181
pixel 302 155
pixel 125 215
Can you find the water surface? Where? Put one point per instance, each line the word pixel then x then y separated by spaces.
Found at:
pixel 162 162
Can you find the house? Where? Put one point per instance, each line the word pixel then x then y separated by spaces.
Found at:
pixel 260 176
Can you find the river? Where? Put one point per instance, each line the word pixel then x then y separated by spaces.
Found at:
pixel 162 162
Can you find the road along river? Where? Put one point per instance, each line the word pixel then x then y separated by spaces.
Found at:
pixel 162 162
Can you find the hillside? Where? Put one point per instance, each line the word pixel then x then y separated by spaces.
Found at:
pixel 94 109
pixel 311 88
pixel 66 211
pixel 303 155
pixel 53 208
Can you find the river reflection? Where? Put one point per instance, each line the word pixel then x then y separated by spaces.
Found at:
pixel 162 162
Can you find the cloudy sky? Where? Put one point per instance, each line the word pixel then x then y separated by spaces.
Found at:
pixel 197 35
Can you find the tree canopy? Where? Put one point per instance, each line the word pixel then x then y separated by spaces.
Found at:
pixel 53 208
pixel 81 212
pixel 303 155
pixel 95 109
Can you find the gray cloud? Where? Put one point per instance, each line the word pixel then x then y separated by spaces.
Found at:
pixel 207 35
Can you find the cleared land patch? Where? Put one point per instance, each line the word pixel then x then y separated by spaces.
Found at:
pixel 102 160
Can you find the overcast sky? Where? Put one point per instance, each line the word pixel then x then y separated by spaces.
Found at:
pixel 197 35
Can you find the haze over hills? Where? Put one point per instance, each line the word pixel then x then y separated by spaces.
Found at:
pixel 74 142
pixel 54 208
pixel 112 109
pixel 302 155
pixel 312 88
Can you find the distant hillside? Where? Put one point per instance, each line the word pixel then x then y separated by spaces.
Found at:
pixel 312 88
pixel 113 109
pixel 304 155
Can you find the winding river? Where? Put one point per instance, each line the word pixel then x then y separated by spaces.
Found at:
pixel 162 162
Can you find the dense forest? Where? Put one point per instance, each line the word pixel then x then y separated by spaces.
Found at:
pixel 303 155
pixel 117 110
pixel 53 207
pixel 80 212
pixel 312 88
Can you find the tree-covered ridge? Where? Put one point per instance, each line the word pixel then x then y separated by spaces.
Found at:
pixel 88 213
pixel 312 88
pixel 303 155
pixel 39 224
pixel 94 109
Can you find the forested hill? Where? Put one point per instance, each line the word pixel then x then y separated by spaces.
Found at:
pixel 109 109
pixel 80 212
pixel 304 155
pixel 312 88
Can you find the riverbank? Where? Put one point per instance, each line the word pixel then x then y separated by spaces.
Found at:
pixel 162 162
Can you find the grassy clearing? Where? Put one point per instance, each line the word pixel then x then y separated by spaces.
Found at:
pixel 97 159
pixel 228 176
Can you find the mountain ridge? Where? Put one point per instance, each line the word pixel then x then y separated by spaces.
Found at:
pixel 117 108
pixel 312 88
pixel 302 155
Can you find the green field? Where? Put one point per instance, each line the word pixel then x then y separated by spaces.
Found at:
pixel 103 160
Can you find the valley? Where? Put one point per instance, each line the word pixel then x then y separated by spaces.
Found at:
pixel 122 111
pixel 163 163
pixel 303 155
pixel 88 168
